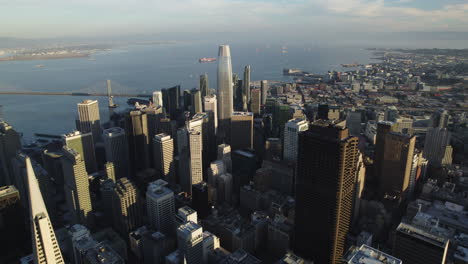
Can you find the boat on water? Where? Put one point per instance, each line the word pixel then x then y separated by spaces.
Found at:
pixel 39 65
pixel 201 60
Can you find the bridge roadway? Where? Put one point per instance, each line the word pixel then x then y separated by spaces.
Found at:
pixel 73 94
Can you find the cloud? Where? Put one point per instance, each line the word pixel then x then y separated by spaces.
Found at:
pixel 82 17
pixel 376 13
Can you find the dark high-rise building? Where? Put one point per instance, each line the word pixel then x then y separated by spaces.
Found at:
pixel 200 200
pixel 325 185
pixel 416 245
pixel 264 89
pixel 116 145
pixel 394 176
pixel 187 98
pixel 10 142
pixel 197 106
pixel 171 100
pixel 242 130
pixel 236 88
pixel 246 84
pixel 204 85
pixel 322 112
pixel 13 225
pixel 136 128
pixel 53 165
pixel 440 118
pixel 244 165
pixel 259 137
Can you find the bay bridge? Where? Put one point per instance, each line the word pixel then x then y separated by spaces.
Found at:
pixel 92 90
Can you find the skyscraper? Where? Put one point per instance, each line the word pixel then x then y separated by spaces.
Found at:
pixel 353 122
pixel 10 142
pixel 224 154
pixel 383 128
pixel 190 242
pixel 171 100
pixel 157 99
pixel 291 134
pixel 264 88
pixel 241 130
pixel 394 177
pixel 127 207
pixel 183 165
pixel 210 105
pixel 256 101
pixel 204 85
pixel 116 146
pixel 208 137
pixel 418 245
pixel 161 207
pixel 435 145
pixel 197 106
pixel 440 118
pixel 136 128
pixel 89 120
pixel 46 249
pixel 164 157
pixel 225 90
pixel 82 143
pixel 196 158
pixel 246 84
pixel 325 183
pixel 76 186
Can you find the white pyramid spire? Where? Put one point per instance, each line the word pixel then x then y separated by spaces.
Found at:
pixel 45 246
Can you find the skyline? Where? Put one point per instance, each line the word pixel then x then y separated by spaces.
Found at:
pixel 312 20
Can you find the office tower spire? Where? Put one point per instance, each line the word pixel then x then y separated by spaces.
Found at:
pixel 225 96
pixel 325 184
pixel 89 120
pixel 45 245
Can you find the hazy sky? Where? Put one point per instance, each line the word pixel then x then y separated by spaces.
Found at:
pixel 59 18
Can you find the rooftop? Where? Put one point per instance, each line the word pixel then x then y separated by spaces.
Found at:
pixel 420 233
pixel 103 254
pixel 242 114
pixel 368 255
pixel 461 253
pixel 113 131
pixel 8 190
pixel 189 227
pixel 88 102
pixel 158 189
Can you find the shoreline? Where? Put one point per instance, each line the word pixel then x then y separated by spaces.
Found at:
pixel 44 57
